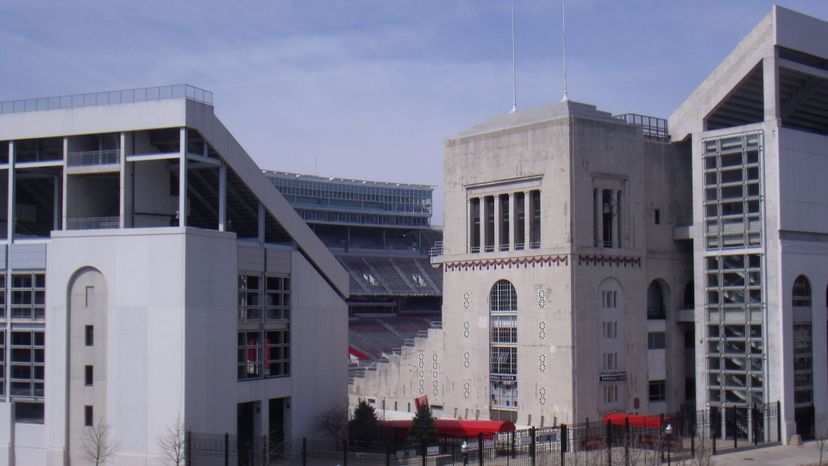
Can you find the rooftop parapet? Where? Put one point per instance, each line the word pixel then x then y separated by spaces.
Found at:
pixel 125 96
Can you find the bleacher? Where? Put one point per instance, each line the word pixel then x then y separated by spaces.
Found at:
pixel 389 275
pixel 376 336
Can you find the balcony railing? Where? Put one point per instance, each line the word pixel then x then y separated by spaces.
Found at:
pixel 145 94
pixel 436 250
pixel 94 157
pixel 92 223
pixel 656 313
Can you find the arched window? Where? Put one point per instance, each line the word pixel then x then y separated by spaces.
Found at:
pixel 801 294
pixel 503 350
pixel 689 295
pixel 655 302
pixel 503 297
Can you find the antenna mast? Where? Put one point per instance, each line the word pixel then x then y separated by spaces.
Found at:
pixel 563 33
pixel 514 78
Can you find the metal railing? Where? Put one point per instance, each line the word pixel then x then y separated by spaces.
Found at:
pixel 656 312
pixel 92 223
pixel 144 94
pixel 94 157
pixel 651 127
pixel 436 250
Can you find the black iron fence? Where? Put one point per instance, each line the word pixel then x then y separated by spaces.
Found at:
pixel 694 435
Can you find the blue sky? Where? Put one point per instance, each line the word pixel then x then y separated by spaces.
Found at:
pixel 371 88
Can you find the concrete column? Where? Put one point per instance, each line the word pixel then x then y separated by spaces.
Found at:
pixel 11 202
pixel 512 215
pixel 599 224
pixel 65 200
pixel 182 178
pixel 482 223
pixel 616 230
pixel 497 217
pixel 222 215
pixel 770 85
pixel 527 218
pixel 262 219
pixel 819 351
pixel 124 183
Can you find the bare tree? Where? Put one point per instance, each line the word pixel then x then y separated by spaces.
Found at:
pixel 172 444
pixel 98 447
pixel 820 438
pixel 334 422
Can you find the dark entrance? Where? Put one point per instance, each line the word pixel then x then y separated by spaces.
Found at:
pixel 804 418
pixel 245 430
pixel 276 429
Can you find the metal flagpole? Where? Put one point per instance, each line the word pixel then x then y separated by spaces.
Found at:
pixel 563 32
pixel 514 78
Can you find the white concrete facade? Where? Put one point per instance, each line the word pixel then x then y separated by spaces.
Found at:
pixel 144 316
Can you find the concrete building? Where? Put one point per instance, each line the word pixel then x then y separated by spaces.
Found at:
pixel 152 276
pixel 596 264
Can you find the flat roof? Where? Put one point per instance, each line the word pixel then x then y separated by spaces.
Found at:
pixel 346 181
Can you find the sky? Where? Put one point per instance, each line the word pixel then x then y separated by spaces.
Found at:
pixel 370 89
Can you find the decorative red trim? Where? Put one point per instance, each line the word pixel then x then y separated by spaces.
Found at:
pixel 616 261
pixel 509 262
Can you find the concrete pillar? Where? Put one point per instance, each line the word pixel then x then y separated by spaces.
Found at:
pixel 819 349
pixel 222 215
pixel 770 85
pixel 261 223
pixel 182 178
pixel 616 228
pixel 527 218
pixel 598 220
pixel 126 186
pixel 497 216
pixel 512 215
pixel 482 223
pixel 11 201
pixel 65 183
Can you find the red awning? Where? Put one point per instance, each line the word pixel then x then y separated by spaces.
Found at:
pixel 353 352
pixel 636 420
pixel 454 427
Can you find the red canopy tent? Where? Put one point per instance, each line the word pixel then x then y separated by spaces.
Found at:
pixel 452 427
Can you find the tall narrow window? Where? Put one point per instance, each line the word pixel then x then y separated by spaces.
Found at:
pixel 606 217
pixel 503 346
pixel 88 416
pixel 504 222
pixel 618 219
pixel 89 335
pixel 88 376
pixel 474 225
pixel 520 220
pixel 488 241
pixel 535 226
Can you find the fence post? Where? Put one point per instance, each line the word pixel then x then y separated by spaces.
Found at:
pixel 608 439
pixel 265 449
pixel 693 444
pixel 564 440
pixel 735 427
pixel 754 424
pixel 226 449
pixel 304 452
pixel 626 441
pixel 512 443
pixel 345 452
pixel 713 438
pixel 661 435
pixel 480 448
pixel 387 454
pixel 779 421
pixel 533 446
pixel 424 452
pixel 188 444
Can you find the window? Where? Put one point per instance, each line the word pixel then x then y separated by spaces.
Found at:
pixel 503 223
pixel 27 363
pixel 474 225
pixel 89 335
pixel 2 295
pixel 609 330
pixel 656 340
pixel 278 298
pixel 610 394
pixel 488 233
pixel 28 412
pixel 28 293
pixel 88 416
pixel 503 297
pixel 250 305
pixel 249 355
pixel 503 345
pixel 801 292
pixel 609 299
pixel 535 226
pixel 2 362
pixel 520 220
pixel 278 353
pixel 658 390
pixel 610 361
pixel 657 216
pixel 655 302
pixel 88 376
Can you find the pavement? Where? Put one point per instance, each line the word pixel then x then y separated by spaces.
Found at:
pixel 805 454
